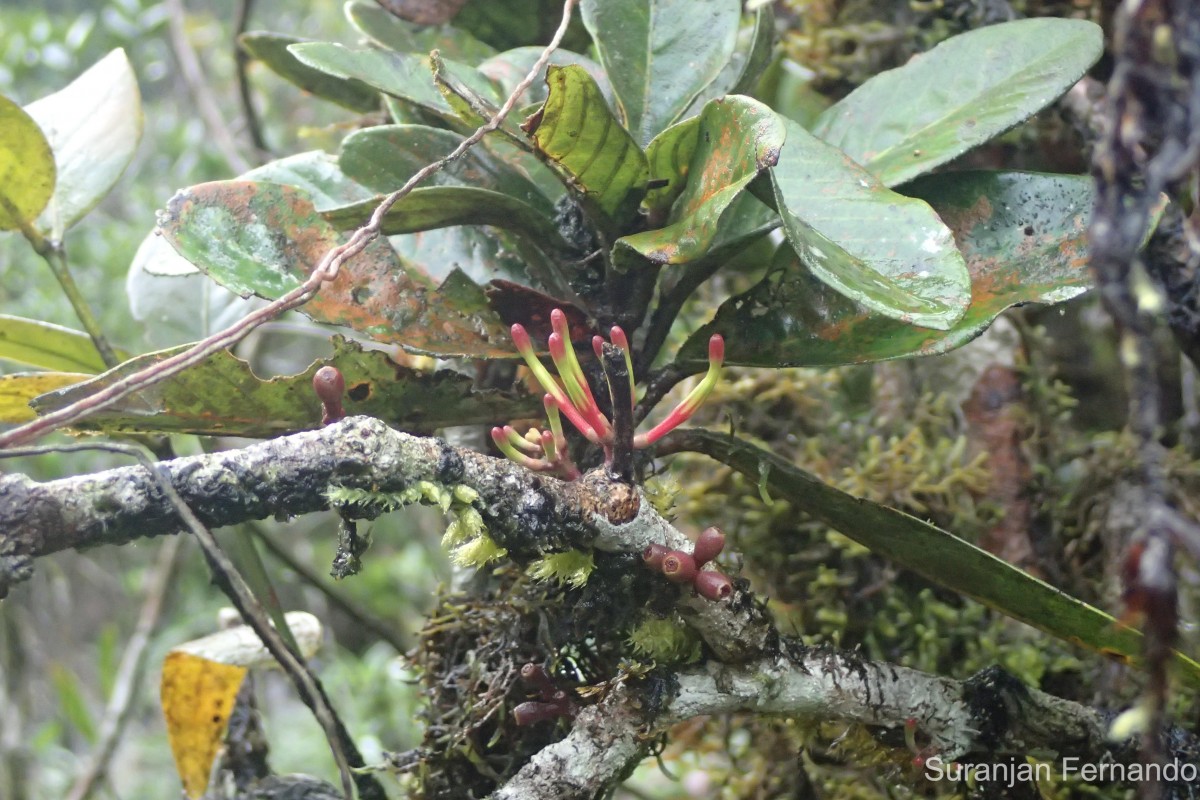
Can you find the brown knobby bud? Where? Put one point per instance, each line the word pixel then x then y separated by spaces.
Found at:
pixel 536 676
pixel 533 712
pixel 679 567
pixel 709 545
pixel 329 385
pixel 713 585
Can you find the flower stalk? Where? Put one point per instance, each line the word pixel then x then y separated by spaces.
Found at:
pixel 570 395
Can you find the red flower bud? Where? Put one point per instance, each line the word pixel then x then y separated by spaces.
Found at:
pixel 329 385
pixel 709 545
pixel 679 567
pixel 654 555
pixel 713 585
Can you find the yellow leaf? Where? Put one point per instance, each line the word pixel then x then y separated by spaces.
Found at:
pixel 17 390
pixel 26 166
pixel 197 699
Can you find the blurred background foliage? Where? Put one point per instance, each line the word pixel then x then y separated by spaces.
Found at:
pixel 62 634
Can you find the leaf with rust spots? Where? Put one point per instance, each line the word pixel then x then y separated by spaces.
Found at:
pixel 1023 236
pixel 221 396
pixel 520 304
pixel 735 139
pixel 264 239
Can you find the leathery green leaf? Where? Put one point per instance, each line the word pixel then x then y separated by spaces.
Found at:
pixel 477 189
pixel 1024 237
pixel 935 554
pixel 737 138
pixel 405 76
pixel 93 125
pixel 668 157
pixel 221 396
pixel 384 157
pixel 509 68
pixel 26 167
pixel 48 346
pixel 577 131
pixel 970 88
pixel 888 252
pixel 272 50
pixel 660 54
pixel 387 30
pixel 751 56
pixel 264 239
pixel 446 206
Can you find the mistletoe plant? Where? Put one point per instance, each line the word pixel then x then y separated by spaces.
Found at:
pixel 633 178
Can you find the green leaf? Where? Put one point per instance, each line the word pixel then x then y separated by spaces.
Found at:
pixel 516 23
pixel 47 346
pixel 886 251
pixel 18 389
pixel 221 396
pixel 1024 237
pixel 93 125
pixel 970 88
pixel 578 132
pixel 751 56
pixel 445 206
pixel 389 31
pixel 482 254
pixel 317 173
pixel 660 54
pixel 264 239
pixel 509 68
pixel 736 140
pixel 669 157
pixel 935 554
pixel 405 76
pixel 384 157
pixel 272 50
pixel 26 167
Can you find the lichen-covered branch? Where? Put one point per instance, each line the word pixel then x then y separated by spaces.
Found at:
pixel 525 513
pixel 989 715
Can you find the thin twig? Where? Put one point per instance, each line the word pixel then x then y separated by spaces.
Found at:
pixel 326 270
pixel 198 88
pixel 360 614
pixel 129 672
pixel 240 594
pixel 241 60
pixel 55 256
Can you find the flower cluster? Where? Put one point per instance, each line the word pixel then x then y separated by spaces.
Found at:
pixel 681 567
pixel 568 394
